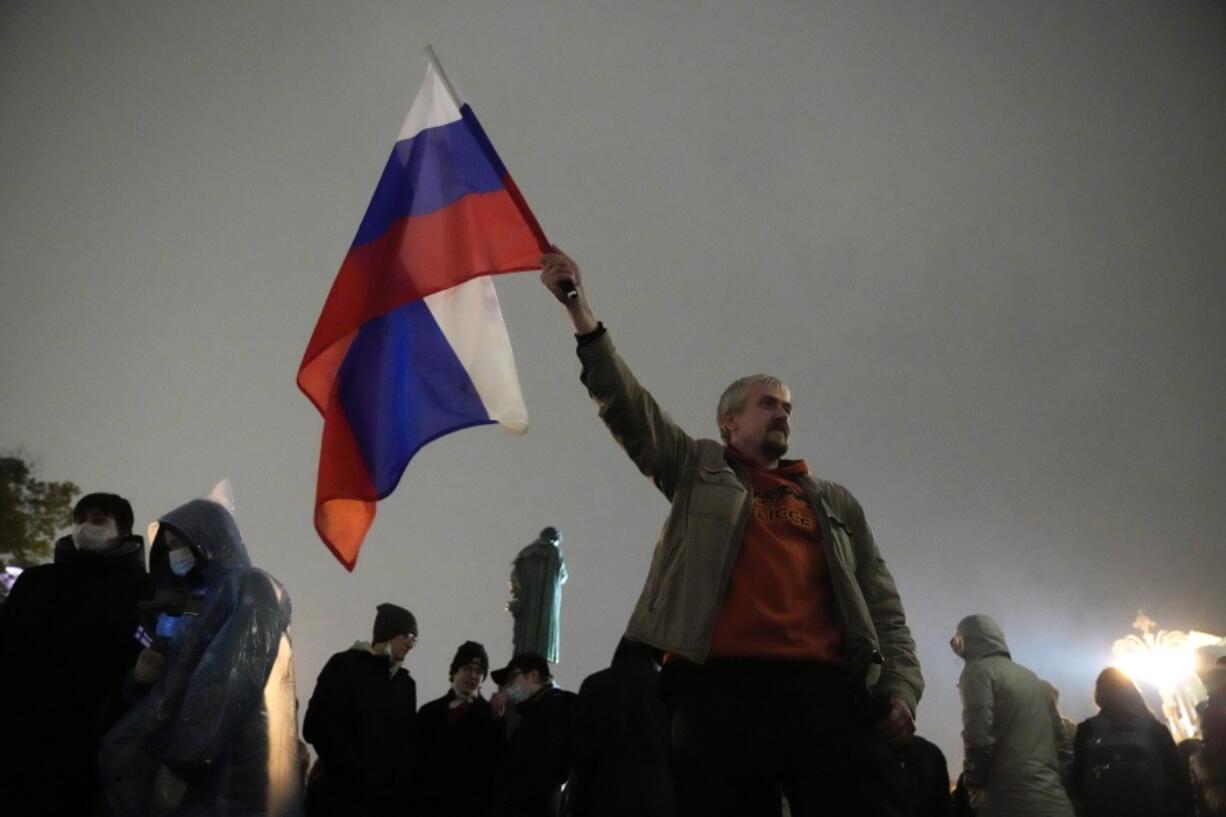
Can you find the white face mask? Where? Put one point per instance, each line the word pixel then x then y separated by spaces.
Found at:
pixel 93 538
pixel 518 692
pixel 181 561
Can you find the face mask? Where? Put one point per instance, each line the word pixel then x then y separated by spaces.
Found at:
pixel 518 692
pixel 89 537
pixel 181 561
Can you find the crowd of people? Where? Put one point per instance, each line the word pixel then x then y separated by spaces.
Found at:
pixel 767 666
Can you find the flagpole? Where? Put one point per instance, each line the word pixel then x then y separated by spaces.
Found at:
pixel 438 66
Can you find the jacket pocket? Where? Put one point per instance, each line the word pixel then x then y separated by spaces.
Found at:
pixel 717 492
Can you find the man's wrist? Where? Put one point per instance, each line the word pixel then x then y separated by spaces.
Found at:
pixel 585 338
pixel 584 322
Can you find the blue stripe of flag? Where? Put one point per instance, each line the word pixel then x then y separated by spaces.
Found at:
pixel 400 387
pixel 429 171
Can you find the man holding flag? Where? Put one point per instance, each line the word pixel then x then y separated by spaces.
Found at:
pixel 789 663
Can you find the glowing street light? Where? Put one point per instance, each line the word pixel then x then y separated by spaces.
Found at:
pixel 1166 660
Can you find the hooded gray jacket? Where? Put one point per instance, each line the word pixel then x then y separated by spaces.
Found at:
pixel 1017 751
pixel 223 714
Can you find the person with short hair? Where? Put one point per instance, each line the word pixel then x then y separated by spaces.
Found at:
pixel 537 757
pixel 362 720
pixel 68 636
pixel 458 742
pixel 790 662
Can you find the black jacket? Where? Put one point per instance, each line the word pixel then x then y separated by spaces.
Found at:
pixel 361 721
pixel 622 741
pixel 923 777
pixel 1148 763
pixel 537 757
pixel 67 639
pixel 456 761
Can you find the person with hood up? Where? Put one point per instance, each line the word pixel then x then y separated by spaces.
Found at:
pixel 216 731
pixel 361 722
pixel 1125 763
pixel 1016 748
pixel 67 640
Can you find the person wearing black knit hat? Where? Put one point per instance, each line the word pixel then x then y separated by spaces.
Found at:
pixel 66 645
pixel 459 740
pixel 361 720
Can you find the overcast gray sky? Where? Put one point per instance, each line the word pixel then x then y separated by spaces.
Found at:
pixel 984 242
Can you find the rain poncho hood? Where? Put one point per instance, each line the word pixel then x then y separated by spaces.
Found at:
pixel 223 714
pixel 1017 750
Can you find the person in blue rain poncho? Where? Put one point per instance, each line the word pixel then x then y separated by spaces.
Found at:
pixel 214 731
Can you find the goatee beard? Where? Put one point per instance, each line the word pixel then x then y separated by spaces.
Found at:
pixel 773 450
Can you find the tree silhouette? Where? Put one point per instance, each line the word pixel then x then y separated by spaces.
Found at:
pixel 31 511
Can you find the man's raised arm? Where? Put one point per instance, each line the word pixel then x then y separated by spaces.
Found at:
pixel 657 445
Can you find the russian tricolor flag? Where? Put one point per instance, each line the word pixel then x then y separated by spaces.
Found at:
pixel 411 344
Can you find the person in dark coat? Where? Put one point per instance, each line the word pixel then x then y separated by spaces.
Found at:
pixel 67 640
pixel 361 721
pixel 458 743
pixel 622 740
pixel 1125 762
pixel 923 776
pixel 537 757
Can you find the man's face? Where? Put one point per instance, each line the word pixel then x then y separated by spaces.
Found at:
pixel 174 541
pixel 468 677
pixel 529 681
pixel 957 644
pixel 398 646
pixel 762 427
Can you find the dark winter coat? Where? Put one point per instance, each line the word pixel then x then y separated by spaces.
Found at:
pixel 361 722
pixel 622 741
pixel 924 777
pixel 223 716
pixel 456 761
pixel 67 639
pixel 537 757
pixel 1154 780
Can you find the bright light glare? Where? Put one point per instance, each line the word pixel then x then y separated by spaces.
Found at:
pixel 1162 666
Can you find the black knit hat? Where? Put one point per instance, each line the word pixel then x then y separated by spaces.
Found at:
pixel 113 505
pixel 524 662
pixel 391 621
pixel 469 652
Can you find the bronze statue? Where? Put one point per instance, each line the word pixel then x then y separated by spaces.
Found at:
pixel 537 576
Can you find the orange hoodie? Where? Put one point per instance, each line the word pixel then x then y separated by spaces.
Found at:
pixel 779 602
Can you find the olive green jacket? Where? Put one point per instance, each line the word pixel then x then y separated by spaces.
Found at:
pixel 698 546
